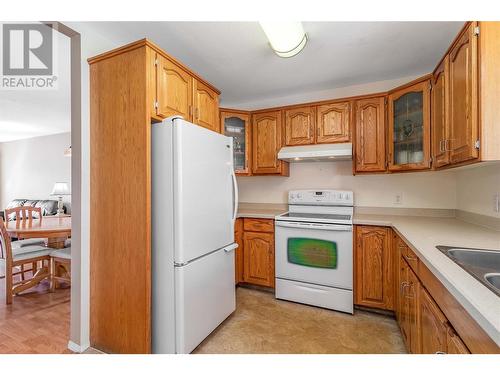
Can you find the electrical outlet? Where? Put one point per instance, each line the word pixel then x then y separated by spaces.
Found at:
pixel 398 198
pixel 496 202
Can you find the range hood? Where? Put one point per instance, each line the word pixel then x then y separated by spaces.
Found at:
pixel 329 152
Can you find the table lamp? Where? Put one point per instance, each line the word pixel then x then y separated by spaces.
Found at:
pixel 60 189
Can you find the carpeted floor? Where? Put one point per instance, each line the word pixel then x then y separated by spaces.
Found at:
pixel 263 324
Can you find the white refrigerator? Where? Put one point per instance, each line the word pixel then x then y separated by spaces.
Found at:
pixel 194 204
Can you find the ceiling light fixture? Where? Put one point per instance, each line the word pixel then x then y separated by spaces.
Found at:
pixel 286 38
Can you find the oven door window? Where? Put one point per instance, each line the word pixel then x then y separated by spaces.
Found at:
pixel 311 252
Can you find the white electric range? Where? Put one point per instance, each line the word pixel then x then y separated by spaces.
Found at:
pixel 314 249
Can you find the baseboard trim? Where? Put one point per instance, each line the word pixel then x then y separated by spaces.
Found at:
pixel 75 348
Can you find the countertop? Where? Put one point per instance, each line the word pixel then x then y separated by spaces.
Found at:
pixel 261 210
pixel 423 234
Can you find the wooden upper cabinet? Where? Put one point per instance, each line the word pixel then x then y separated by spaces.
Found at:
pixel 299 126
pixel 333 123
pixel 205 106
pixel 174 89
pixel 370 152
pixel 237 125
pixel 439 119
pixel 464 97
pixel 374 268
pixel 258 258
pixel 266 142
pixel 433 325
pixel 409 127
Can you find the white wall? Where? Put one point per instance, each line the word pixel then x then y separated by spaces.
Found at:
pixel 476 189
pixel 424 189
pixel 30 167
pixel 304 97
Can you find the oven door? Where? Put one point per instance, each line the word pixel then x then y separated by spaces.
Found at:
pixel 314 253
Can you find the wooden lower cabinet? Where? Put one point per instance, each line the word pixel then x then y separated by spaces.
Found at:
pixel 454 343
pixel 433 325
pixel 424 326
pixel 407 302
pixel 258 258
pixel 254 261
pixel 374 273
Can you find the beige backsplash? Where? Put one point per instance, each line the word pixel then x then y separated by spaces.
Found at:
pixel 422 190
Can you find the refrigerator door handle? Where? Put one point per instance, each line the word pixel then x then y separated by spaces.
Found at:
pixel 235 190
pixel 231 247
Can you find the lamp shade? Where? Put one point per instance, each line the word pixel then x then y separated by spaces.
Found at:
pixel 61 188
pixel 286 38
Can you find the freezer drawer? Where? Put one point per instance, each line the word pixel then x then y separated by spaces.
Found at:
pixel 315 295
pixel 204 297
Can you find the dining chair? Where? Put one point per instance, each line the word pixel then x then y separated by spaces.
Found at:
pixel 18 257
pixel 60 267
pixel 25 215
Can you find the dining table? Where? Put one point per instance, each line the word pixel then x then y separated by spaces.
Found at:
pixel 54 229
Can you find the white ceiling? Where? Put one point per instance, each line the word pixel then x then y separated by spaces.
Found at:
pixel 33 113
pixel 236 58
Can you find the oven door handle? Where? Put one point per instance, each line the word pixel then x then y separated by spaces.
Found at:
pixel 331 227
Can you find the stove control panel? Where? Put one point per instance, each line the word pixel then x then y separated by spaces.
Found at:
pixel 321 197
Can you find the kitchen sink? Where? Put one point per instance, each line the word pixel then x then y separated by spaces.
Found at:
pixel 493 279
pixel 483 264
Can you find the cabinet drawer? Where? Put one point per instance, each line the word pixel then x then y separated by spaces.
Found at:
pixel 408 255
pixel 258 225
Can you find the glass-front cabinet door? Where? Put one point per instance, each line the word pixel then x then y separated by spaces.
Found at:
pixel 409 127
pixel 237 125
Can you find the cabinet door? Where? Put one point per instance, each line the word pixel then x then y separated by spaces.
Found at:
pixel 238 259
pixel 433 325
pixel 237 126
pixel 206 106
pixel 299 126
pixel 409 132
pixel 439 120
pixel 374 268
pixel 463 98
pixel 266 142
pixel 258 258
pixel 174 89
pixel 403 302
pixel 454 343
pixel 370 135
pixel 333 123
pixel 412 295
